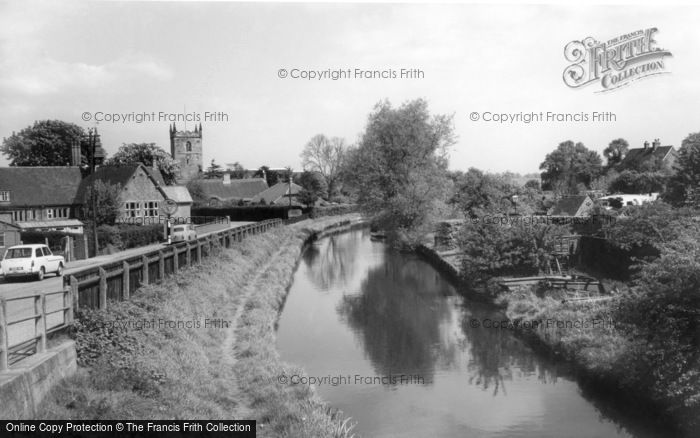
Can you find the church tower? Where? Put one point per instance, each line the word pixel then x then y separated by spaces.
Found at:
pixel 186 149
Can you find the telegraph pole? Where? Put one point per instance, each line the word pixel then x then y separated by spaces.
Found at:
pixel 92 137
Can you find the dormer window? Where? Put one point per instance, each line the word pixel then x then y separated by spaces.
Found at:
pixel 4 196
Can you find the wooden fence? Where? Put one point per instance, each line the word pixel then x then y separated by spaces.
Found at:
pixel 94 286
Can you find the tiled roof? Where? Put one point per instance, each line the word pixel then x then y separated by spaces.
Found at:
pixel 179 194
pixel 568 206
pixel 639 155
pixel 278 194
pixel 238 189
pixel 115 175
pixel 40 186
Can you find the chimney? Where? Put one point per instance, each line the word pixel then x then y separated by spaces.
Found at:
pixel 646 145
pixel 656 144
pixel 75 153
pixel 227 179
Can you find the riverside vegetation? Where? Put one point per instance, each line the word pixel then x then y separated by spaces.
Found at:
pixel 224 371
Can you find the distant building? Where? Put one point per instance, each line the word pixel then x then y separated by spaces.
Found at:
pixel 41 198
pixel 279 194
pixel 9 233
pixel 186 149
pixel 227 190
pixel 649 157
pixel 575 206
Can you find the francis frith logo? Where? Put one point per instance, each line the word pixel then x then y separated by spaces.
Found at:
pixel 614 63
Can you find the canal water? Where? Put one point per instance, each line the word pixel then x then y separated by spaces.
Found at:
pixel 394 347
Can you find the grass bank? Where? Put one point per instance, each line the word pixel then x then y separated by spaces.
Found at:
pixel 604 351
pixel 200 345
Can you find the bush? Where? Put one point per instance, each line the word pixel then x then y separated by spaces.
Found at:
pixel 128 236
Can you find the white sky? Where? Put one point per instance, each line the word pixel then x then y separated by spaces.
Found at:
pixel 58 60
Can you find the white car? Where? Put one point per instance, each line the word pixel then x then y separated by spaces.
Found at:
pixel 31 261
pixel 183 233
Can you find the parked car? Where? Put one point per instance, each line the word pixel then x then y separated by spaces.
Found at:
pixel 183 233
pixel 31 261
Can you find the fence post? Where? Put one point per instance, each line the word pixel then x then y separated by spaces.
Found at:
pixel 74 293
pixel 144 270
pixel 67 306
pixel 176 262
pixel 188 259
pixel 40 322
pixel 199 251
pixel 103 288
pixel 4 344
pixel 126 280
pixel 161 265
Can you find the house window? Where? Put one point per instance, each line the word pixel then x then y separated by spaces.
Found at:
pixel 133 209
pixel 4 196
pixel 49 213
pixel 151 209
pixel 2 239
pixel 188 147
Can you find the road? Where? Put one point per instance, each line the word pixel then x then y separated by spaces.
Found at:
pixel 25 307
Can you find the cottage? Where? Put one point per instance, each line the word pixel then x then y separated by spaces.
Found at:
pixel 649 157
pixel 218 191
pixel 41 198
pixel 282 193
pixel 142 194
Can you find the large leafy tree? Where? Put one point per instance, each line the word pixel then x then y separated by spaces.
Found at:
pixel 271 176
pixel 616 151
pixel 569 167
pixel 313 187
pixel 399 167
pixel 325 156
pixel 214 170
pixel 46 143
pixel 101 202
pixel 683 187
pixel 148 154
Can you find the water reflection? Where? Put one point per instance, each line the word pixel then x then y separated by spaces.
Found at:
pixel 356 308
pixel 331 262
pixel 398 318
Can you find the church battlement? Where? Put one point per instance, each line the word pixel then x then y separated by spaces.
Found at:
pixel 186 149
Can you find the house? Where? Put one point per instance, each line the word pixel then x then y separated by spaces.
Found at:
pixel 142 194
pixel 623 200
pixel 182 197
pixel 41 198
pixel 279 194
pixel 649 157
pixel 575 206
pixel 9 233
pixel 218 191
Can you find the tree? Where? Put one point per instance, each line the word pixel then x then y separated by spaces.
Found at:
pixel 615 151
pixel 326 157
pixel 271 176
pixel 568 166
pixel 682 186
pixel 313 187
pixel 629 181
pixel 101 202
pixel 46 143
pixel 236 170
pixel 399 167
pixel 147 154
pixel 214 171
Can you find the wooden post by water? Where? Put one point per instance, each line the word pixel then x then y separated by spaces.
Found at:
pixel 199 251
pixel 67 305
pixel 4 344
pixel 188 259
pixel 103 288
pixel 40 322
pixel 176 262
pixel 126 277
